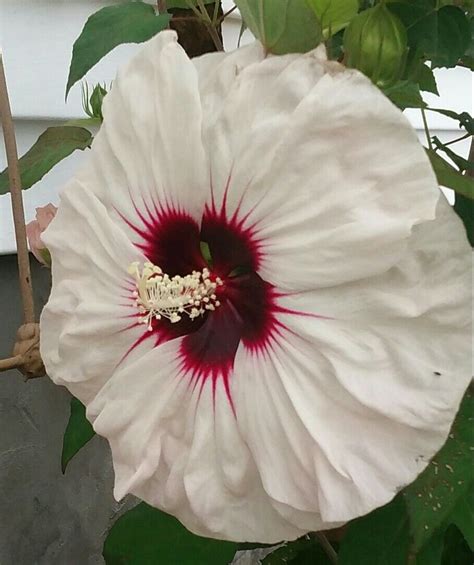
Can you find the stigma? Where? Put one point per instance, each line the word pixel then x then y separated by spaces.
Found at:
pixel 158 296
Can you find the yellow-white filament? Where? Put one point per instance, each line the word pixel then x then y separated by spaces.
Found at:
pixel 158 295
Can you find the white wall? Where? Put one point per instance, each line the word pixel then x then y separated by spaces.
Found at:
pixel 37 36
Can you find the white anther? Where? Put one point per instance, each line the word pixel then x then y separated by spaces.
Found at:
pixel 160 296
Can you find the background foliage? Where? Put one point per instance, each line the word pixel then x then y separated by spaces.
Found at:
pixel 397 44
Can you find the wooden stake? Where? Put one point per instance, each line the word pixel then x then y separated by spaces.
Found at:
pixel 17 200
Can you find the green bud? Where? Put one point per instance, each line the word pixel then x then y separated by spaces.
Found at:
pixel 282 26
pixel 96 99
pixel 93 104
pixel 375 42
pixel 46 256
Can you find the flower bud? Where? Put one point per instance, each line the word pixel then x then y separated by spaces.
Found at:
pixel 96 99
pixel 93 104
pixel 375 42
pixel 44 216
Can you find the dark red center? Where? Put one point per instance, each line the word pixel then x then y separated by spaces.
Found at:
pixel 173 240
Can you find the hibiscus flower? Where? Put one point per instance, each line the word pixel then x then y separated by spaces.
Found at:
pixel 259 292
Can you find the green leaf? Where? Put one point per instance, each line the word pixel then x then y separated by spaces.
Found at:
pixel 443 35
pixel 46 256
pixel 303 551
pixel 465 120
pixel 282 26
pixel 463 517
pixel 145 536
pixel 85 122
pixel 52 146
pixel 405 94
pixel 380 538
pixel 432 497
pixel 456 551
pixel 334 15
pixel 449 177
pixel 432 552
pixel 78 432
pixel 470 48
pixel 426 5
pixel 426 80
pixel 447 2
pixel 366 4
pixel 412 13
pixel 468 62
pixel 460 162
pixel 464 208
pixel 129 22
pixel 243 27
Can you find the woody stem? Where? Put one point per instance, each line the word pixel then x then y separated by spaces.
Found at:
pixel 17 200
pixel 11 363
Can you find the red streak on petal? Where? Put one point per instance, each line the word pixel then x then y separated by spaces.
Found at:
pixel 283 310
pixel 135 344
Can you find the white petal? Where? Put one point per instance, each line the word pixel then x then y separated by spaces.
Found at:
pixel 82 326
pixel 148 151
pixel 217 72
pixel 374 411
pixel 178 450
pixel 322 165
pixel 431 281
pixel 366 399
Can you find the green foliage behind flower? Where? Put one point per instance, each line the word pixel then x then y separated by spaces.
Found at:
pixel 284 26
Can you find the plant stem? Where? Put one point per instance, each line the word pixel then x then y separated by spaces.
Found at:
pixel 470 172
pixel 192 7
pixel 215 13
pixel 328 548
pixel 427 130
pixel 458 139
pixel 11 363
pixel 210 25
pixel 224 16
pixel 17 200
pixel 215 38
